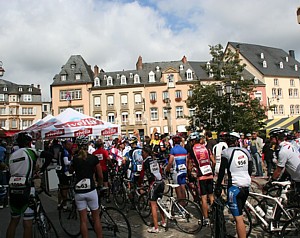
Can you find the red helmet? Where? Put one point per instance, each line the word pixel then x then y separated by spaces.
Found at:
pixel 177 139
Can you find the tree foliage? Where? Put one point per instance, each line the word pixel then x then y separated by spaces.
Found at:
pixel 213 111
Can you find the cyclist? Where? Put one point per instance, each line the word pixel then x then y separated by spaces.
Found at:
pixel 238 163
pixel 22 168
pixel 217 150
pixel 85 165
pixel 177 161
pixel 155 143
pixel 288 158
pixel 136 159
pixel 153 172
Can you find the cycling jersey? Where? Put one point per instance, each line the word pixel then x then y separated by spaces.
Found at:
pixel 151 169
pixel 202 155
pixel 136 160
pixel 102 155
pixel 217 150
pixel 180 155
pixel 289 158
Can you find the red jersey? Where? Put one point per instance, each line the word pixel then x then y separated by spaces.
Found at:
pixel 102 155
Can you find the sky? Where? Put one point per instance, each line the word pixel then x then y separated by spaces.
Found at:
pixel 37 37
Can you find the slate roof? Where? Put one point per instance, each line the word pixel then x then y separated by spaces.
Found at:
pixel 75 64
pixel 273 57
pixel 13 88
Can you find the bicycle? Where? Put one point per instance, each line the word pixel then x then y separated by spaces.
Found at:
pixel 184 213
pixel 114 222
pixel 291 228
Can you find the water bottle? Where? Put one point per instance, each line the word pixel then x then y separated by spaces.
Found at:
pixel 269 214
pixel 260 211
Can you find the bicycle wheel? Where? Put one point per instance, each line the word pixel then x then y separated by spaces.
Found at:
pixel 187 216
pixel 69 219
pixel 291 228
pixel 230 223
pixel 119 195
pixel 144 209
pixel 44 228
pixel 254 202
pixel 114 223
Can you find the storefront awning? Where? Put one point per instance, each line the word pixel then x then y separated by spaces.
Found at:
pixel 291 123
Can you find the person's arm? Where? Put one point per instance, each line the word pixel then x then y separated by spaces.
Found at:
pixel 99 173
pixel 170 163
pixel 48 159
pixel 223 166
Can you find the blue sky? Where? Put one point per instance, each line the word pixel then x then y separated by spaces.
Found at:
pixel 39 36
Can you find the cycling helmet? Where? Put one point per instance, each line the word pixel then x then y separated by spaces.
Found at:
pixel 177 139
pixel 194 136
pixel 23 139
pixel 232 137
pixel 82 140
pixel 133 140
pixel 281 133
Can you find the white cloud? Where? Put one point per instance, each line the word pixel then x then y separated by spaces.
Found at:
pixel 38 37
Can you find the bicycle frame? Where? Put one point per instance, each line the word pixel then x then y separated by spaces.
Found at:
pixel 263 220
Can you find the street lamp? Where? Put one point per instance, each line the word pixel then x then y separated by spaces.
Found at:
pixel 168 108
pixel 228 94
pixel 1 69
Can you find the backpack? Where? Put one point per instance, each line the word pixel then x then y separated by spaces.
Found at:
pixel 137 160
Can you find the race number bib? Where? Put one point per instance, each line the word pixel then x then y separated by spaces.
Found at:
pixel 241 161
pixel 100 156
pixel 154 167
pixel 181 167
pixel 83 184
pixel 206 169
pixel 139 167
pixel 17 182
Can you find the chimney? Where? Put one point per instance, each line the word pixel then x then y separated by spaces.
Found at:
pixel 292 53
pixel 139 63
pixel 184 60
pixel 96 70
pixel 32 85
pixel 38 86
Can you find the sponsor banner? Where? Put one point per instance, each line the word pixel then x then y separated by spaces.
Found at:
pixel 79 123
pixel 109 131
pixel 55 133
pixel 83 132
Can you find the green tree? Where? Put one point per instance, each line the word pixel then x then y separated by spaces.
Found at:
pixel 242 112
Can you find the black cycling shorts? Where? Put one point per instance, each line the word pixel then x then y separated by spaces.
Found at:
pixel 206 187
pixel 156 190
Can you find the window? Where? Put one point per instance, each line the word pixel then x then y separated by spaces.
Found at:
pixel 178 94
pixel 110 100
pixel 154 113
pixel 295 93
pixel 29 89
pixel 275 109
pixel 109 81
pixel 189 74
pixel 12 111
pixel 170 78
pixel 2 110
pixel 123 79
pixel 20 89
pixel 179 112
pixel 78 109
pixel 27 98
pixel 97 101
pixel 1 97
pixel 118 76
pixel 96 82
pixel 97 116
pixel 124 116
pixel 136 78
pixel 111 117
pixel 292 82
pixel 63 77
pixel 181 67
pixel 292 110
pixel 73 66
pixel 27 111
pixel 165 95
pixel 13 98
pixel 45 108
pixel 137 98
pixel 124 99
pixel 151 77
pixel 275 82
pixel 296 67
pixel 297 111
pixel 258 95
pixel 2 123
pixel 192 111
pixel 70 95
pixel 265 64
pixel 77 76
pixel 274 92
pixel 291 92
pixel 131 75
pixel 281 109
pixel 153 96
pixel 165 113
pixel 279 92
pixel 26 123
pixel 138 116
pixel 5 89
pixel 281 65
pixel 190 93
pixel 14 123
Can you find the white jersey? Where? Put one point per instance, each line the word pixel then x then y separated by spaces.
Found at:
pixel 217 151
pixel 238 162
pixel 289 158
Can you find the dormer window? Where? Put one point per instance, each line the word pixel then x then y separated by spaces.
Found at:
pixel 281 65
pixel 151 77
pixel 136 78
pixel 20 89
pixel 189 74
pixel 78 76
pixel 29 89
pixel 109 81
pixel 73 65
pixel 296 67
pixel 181 67
pixel 157 68
pixel 262 56
pixel 118 76
pixel 131 75
pixel 265 64
pixel 123 79
pixel 104 77
pixel 208 65
pixel 96 82
pixel 287 59
pixel 63 77
pixel 211 74
pixel 171 80
pixel 5 89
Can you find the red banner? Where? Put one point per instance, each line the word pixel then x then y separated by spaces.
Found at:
pixel 55 133
pixel 84 132
pixel 109 131
pixel 82 122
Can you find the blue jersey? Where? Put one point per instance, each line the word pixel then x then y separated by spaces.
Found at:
pixel 180 155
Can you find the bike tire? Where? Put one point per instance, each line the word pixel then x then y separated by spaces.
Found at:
pixel 144 210
pixel 69 219
pixel 114 223
pixel 254 201
pixel 291 228
pixel 44 229
pixel 187 216
pixel 119 195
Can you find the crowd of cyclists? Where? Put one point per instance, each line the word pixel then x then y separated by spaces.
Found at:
pixel 194 157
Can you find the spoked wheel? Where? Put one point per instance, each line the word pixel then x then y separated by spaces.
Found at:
pixel 144 209
pixel 187 216
pixel 44 228
pixel 69 219
pixel 114 223
pixel 291 228
pixel 119 195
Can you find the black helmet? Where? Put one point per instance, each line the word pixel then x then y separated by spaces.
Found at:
pixel 23 139
pixel 281 133
pixel 133 140
pixel 176 139
pixel 82 140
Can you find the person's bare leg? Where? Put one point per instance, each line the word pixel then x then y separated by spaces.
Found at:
pixel 27 225
pixel 83 223
pixel 97 223
pixel 154 213
pixel 204 206
pixel 11 229
pixel 240 227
